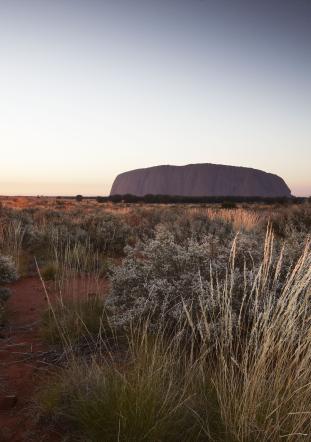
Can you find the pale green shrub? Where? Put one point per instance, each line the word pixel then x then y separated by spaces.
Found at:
pixel 158 278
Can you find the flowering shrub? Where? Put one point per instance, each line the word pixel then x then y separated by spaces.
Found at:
pixel 160 278
pixel 165 281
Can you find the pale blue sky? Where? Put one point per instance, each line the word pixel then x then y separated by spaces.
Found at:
pixel 91 88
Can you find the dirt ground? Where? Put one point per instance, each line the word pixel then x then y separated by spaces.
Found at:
pixel 22 363
pixel 21 368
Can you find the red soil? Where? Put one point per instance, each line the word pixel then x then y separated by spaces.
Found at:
pixel 21 369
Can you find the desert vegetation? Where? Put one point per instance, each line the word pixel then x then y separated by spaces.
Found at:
pixel 171 322
pixel 8 273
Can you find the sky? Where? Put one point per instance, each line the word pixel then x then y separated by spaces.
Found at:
pixel 92 88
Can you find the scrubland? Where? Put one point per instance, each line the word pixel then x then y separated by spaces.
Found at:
pixel 175 323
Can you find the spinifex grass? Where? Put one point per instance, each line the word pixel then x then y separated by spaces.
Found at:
pixel 245 379
pixel 73 320
pixel 147 397
pixel 261 367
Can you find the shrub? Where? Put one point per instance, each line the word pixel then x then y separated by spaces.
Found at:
pixel 2 314
pixel 49 272
pixel 8 272
pixel 5 294
pixel 228 205
pixel 160 277
pixel 108 233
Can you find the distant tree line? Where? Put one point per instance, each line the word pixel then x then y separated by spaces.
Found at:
pixel 226 201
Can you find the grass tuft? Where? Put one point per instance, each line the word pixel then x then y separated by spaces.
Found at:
pixel 70 321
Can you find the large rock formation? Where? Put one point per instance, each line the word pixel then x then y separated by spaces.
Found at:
pixel 200 180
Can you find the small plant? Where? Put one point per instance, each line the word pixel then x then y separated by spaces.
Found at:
pixel 5 294
pixel 2 314
pixel 49 272
pixel 147 400
pixel 105 267
pixel 229 205
pixel 71 321
pixel 8 272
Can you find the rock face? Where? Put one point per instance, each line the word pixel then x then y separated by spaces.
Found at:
pixel 200 180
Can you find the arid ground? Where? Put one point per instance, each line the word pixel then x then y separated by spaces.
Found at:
pixel 138 322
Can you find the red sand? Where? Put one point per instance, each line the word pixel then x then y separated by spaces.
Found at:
pixel 21 370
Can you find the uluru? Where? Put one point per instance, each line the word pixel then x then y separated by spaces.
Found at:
pixel 200 180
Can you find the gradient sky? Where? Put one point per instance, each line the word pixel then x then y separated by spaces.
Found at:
pixel 91 88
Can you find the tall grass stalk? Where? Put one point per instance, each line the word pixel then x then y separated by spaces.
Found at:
pixel 78 266
pixel 261 366
pixel 11 239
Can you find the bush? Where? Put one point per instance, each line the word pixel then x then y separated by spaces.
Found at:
pixel 228 205
pixel 49 272
pixel 5 294
pixel 108 233
pixel 162 280
pixel 159 278
pixel 2 314
pixel 8 272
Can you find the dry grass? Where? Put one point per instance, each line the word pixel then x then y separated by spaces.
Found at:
pixel 11 239
pixel 239 218
pixel 262 376
pixel 250 382
pixel 241 376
